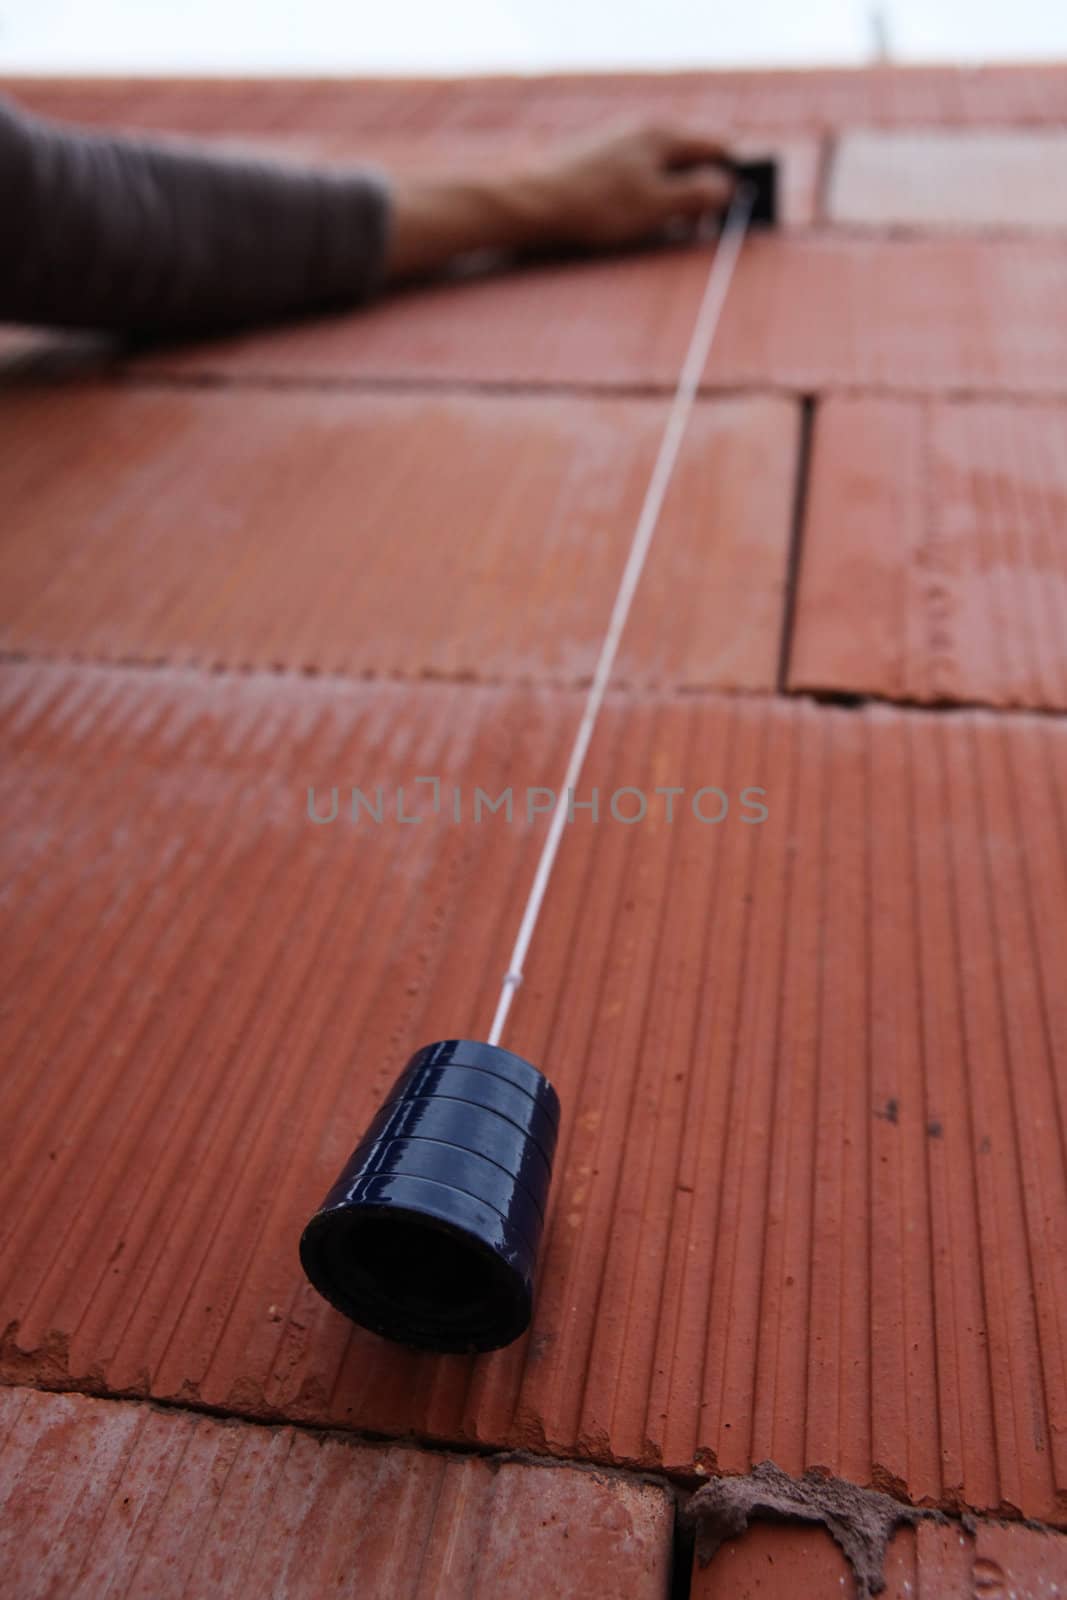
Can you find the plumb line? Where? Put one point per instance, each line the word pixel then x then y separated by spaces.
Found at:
pixel 720 275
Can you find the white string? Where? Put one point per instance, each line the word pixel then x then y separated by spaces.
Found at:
pixel 719 276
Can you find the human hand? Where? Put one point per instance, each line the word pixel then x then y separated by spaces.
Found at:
pixel 630 186
pixel 602 193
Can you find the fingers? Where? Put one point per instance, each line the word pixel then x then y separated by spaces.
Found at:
pixel 629 186
pixel 680 148
pixel 690 194
pixel 699 172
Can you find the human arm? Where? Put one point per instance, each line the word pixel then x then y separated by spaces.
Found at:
pixel 113 232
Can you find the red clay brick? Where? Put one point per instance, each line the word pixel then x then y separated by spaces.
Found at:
pixel 806 312
pixel 755 1249
pixel 775 1562
pixel 930 1562
pixel 417 536
pixel 1010 178
pixel 802 99
pixel 744 1219
pixel 110 1497
pixel 939 524
pixel 216 946
pixel 810 1202
pixel 1022 1563
pixel 918 315
pixel 624 320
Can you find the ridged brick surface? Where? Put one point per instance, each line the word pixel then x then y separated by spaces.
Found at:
pixel 622 321
pixel 822 1091
pixel 810 1201
pixel 924 1563
pixel 928 315
pixel 101 1498
pixel 981 95
pixel 810 1198
pixel 805 312
pixel 941 525
pixel 416 536
pixel 775 1562
pixel 940 179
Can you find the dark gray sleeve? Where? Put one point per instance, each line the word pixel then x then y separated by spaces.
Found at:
pixel 102 231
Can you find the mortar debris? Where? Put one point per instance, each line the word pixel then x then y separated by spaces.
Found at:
pixel 860 1521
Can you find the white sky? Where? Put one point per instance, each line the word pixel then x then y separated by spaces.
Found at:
pixel 347 36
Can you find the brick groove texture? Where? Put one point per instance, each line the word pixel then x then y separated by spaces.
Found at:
pixel 738 1212
pixel 810 1200
pixel 102 1497
pixel 929 1562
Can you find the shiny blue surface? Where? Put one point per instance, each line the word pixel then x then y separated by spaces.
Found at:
pixel 467 1127
pixel 430 1233
pixel 456 1169
pixel 492 1059
pixel 529 1115
pixel 410 1190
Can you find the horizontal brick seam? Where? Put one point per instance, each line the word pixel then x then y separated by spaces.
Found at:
pixel 680 1486
pixel 637 693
